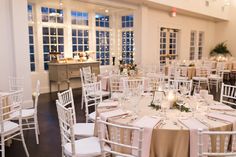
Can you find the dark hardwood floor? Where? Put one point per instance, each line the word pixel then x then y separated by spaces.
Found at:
pixel 50 144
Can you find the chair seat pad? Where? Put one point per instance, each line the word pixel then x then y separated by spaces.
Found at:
pixel 25 113
pixel 105 93
pixel 84 129
pixel 9 127
pixel 200 78
pixel 92 116
pixel 85 147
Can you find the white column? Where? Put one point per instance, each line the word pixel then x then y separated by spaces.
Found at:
pixel 20 44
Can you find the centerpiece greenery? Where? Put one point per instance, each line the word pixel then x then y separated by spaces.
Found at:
pixel 129 67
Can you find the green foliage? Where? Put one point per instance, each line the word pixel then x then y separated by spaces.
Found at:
pixel 220 49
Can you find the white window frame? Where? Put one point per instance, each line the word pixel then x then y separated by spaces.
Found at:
pixel 193 44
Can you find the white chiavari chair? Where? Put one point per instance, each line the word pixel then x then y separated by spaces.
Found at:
pixel 131 86
pixel 116 86
pixel 216 79
pixel 92 97
pixel 30 115
pixel 202 74
pixel 80 129
pixel 8 128
pixel 154 81
pixel 89 78
pixel 224 142
pixel 121 137
pixel 223 66
pixel 16 83
pixel 181 73
pixel 86 147
pixel 228 94
pixel 183 86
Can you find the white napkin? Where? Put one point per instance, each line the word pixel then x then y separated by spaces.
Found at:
pixel 108 104
pixel 113 113
pixel 148 123
pixel 194 125
pixel 221 107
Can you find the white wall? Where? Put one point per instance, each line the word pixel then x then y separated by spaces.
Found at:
pixel 153 20
pixel 198 6
pixel 225 31
pixel 14 56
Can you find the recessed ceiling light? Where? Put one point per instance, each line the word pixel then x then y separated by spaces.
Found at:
pixel 106 11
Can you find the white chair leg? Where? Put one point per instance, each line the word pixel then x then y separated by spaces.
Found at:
pixel 217 84
pixel 82 101
pixel 3 146
pixel 36 130
pixel 23 142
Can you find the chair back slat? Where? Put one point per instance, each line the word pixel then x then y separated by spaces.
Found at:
pixel 133 85
pixel 221 143
pixel 181 85
pixel 66 99
pixel 228 94
pixel 65 117
pixel 121 139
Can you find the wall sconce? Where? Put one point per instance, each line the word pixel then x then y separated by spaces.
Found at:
pixel 173 12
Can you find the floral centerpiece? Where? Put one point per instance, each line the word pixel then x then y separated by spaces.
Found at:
pixel 127 68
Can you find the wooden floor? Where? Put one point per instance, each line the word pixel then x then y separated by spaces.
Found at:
pixel 49 129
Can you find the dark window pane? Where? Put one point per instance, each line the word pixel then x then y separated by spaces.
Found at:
pixel 31 39
pixel 80 48
pixel 32 67
pixel 80 33
pixel 60 40
pixel 46 48
pixel 45 66
pixel 30 30
pixel 60 31
pixel 52 31
pixel 85 40
pixel 74 48
pixel 80 40
pixel 74 40
pixel 53 40
pixel 32 58
pixel 86 33
pixel 46 40
pixel 61 48
pixel 53 48
pixel 45 31
pixel 73 32
pixel 46 57
pixel 31 49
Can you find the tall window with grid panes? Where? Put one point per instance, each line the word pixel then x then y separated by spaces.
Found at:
pixel 200 44
pixel 103 39
pixel 53 36
pixel 193 36
pixel 127 39
pixel 80 32
pixel 168 45
pixel 31 37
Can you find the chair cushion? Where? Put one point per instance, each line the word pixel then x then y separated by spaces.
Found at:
pixel 84 129
pixel 92 116
pixel 105 93
pixel 85 147
pixel 9 127
pixel 200 78
pixel 25 113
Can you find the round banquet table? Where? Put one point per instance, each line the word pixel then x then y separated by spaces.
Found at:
pixel 170 137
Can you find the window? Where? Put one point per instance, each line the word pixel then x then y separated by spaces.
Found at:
pixel 31 48
pixel 53 41
pixel 168 44
pixel 127 21
pixel 103 47
pixel 102 20
pixel 128 47
pixel 192 45
pixel 30 13
pixel 200 44
pixel 52 15
pixel 79 18
pixel 80 40
pixel 31 37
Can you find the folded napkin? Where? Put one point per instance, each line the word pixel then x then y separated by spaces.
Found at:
pixel 112 113
pixel 221 107
pixel 194 125
pixel 108 104
pixel 224 117
pixel 148 123
pixel 104 82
